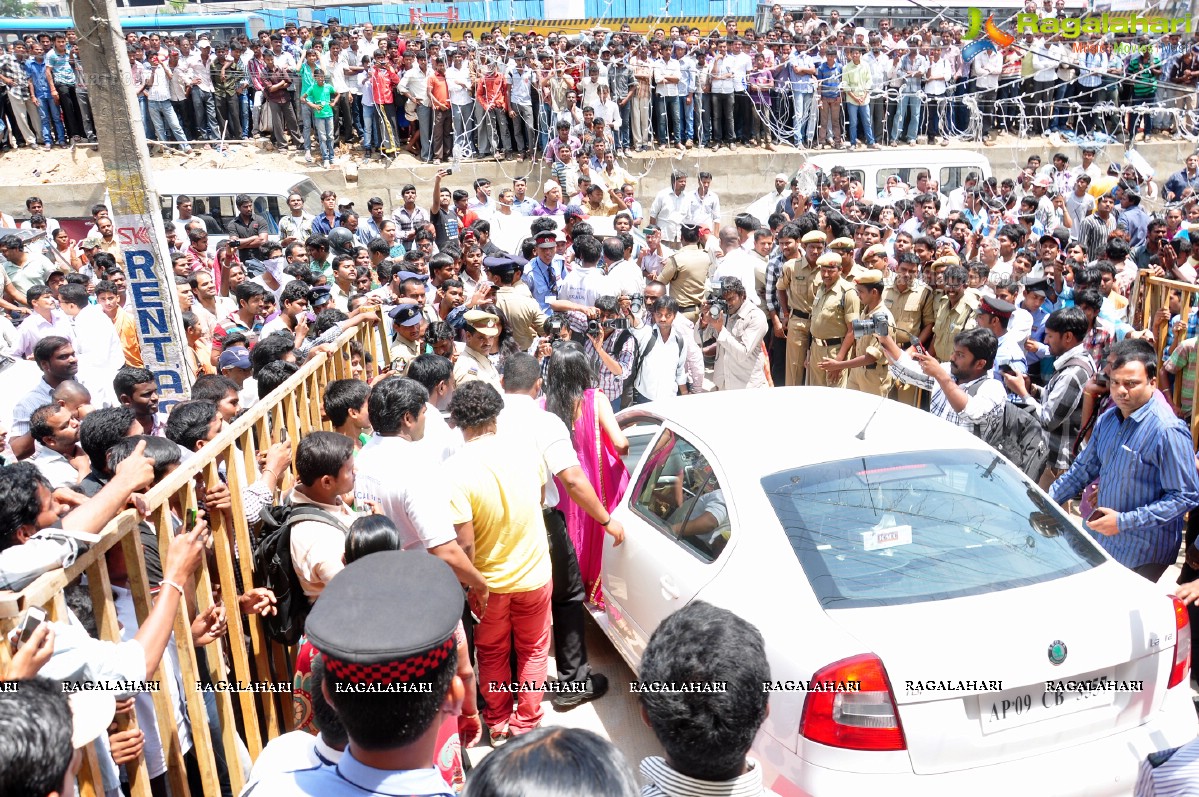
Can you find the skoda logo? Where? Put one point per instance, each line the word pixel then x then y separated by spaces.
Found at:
pixel 1057 652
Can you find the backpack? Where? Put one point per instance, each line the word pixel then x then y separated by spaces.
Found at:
pixel 274 569
pixel 630 384
pixel 1018 436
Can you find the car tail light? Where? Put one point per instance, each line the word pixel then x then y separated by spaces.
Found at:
pixel 1182 644
pixel 863 720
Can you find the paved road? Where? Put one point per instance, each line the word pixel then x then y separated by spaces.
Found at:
pixel 615 716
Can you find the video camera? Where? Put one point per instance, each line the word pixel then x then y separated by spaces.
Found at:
pixel 876 325
pixel 553 328
pixel 594 326
pixel 637 303
pixel 714 298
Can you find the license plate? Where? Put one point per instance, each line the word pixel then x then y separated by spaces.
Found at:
pixel 999 711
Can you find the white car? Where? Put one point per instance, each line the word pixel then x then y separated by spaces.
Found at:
pixel 903 554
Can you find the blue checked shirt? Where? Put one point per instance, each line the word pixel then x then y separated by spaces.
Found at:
pixel 1146 469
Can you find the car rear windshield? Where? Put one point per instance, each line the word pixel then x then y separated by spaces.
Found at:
pixel 905 528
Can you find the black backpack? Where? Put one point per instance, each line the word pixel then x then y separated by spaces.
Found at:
pixel 1018 436
pixel 630 384
pixel 274 570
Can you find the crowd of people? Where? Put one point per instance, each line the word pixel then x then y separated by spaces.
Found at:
pixel 490 439
pixel 803 81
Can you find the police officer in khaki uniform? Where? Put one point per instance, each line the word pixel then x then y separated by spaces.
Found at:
pixel 408 340
pixel 482 330
pixel 955 310
pixel 686 272
pixel 835 306
pixel 525 317
pixel 844 248
pixel 914 309
pixel 796 289
pixel 868 369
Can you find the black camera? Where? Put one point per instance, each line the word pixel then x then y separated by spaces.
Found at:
pixel 593 328
pixel 717 307
pixel 875 325
pixel 553 328
pixel 637 303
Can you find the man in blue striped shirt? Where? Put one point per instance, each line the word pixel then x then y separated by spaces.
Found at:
pixel 1145 462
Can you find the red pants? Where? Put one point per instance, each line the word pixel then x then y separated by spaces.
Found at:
pixel 522 618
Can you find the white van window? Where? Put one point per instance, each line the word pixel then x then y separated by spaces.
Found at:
pixel 952 177
pixel 312 197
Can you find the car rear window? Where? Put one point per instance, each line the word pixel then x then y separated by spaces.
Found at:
pixel 906 528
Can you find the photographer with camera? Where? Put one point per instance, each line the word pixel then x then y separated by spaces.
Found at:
pixel 611 348
pixel 963 390
pixel 739 328
pixel 867 369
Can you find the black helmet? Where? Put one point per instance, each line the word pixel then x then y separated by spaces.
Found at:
pixel 341 241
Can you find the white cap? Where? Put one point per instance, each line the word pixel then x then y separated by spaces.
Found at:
pixel 781 176
pixel 203 42
pixel 548 185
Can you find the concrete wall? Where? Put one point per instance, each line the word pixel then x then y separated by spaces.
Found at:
pixel 738 178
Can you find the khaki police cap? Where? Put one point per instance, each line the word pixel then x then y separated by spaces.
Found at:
pixel 841 243
pixel 947 260
pixel 829 259
pixel 814 237
pixel 870 277
pixel 876 249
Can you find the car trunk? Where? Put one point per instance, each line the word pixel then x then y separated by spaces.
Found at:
pixel 983 663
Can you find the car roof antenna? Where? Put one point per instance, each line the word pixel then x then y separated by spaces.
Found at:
pixel 862 434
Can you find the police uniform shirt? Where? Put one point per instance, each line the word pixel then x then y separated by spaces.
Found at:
pixel 952 320
pixel 525 317
pixel 833 309
pixel 405 351
pixel 799 280
pixel 686 274
pixel 472 365
pixel 913 309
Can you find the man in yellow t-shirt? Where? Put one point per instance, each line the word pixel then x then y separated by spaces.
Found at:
pixel 495 500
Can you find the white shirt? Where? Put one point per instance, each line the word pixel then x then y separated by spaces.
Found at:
pixel 290 752
pixel 441 441
pixel 57 469
pixel 625 278
pixel 523 417
pixel 584 285
pixel 670 210
pixel 201 68
pixel 742 265
pixel 458 80
pixel 668 69
pixel 664 367
pixel 707 210
pixel 418 503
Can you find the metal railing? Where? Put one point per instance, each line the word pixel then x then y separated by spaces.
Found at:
pixel 1150 295
pixel 244 653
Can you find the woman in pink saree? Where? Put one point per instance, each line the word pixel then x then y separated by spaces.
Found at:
pixel 570 393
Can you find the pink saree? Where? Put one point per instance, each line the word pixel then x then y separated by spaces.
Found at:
pixel 606 472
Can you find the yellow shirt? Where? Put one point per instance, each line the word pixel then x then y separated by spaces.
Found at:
pixel 497 486
pixel 127 333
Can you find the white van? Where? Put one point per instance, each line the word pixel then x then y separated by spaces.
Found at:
pixel 873 167
pixel 213 192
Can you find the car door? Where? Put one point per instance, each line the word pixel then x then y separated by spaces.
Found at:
pixel 676 528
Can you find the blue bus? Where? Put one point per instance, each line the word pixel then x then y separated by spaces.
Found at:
pixel 221 27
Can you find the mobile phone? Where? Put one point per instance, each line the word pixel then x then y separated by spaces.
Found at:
pixel 34 617
pixel 919 349
pixel 448 172
pixel 1096 515
pixel 190 523
pixel 1007 369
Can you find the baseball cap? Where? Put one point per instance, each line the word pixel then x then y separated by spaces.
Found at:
pixel 234 357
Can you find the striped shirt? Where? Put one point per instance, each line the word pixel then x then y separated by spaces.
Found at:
pixel 1170 773
pixel 1060 407
pixel 662 780
pixel 1146 469
pixel 983 409
pixel 612 384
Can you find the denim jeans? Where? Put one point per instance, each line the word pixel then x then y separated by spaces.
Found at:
pixel 524 134
pixel 370 136
pixel 166 123
pixel 464 123
pixel 859 119
pixel 909 106
pixel 670 121
pixel 690 109
pixel 805 116
pixel 143 105
pixel 626 126
pixel 306 127
pixel 244 103
pixel 424 115
pixel 204 106
pixel 324 136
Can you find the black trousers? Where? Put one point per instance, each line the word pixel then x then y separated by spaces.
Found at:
pixel 566 603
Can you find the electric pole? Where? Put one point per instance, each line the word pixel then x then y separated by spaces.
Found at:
pixel 136 213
